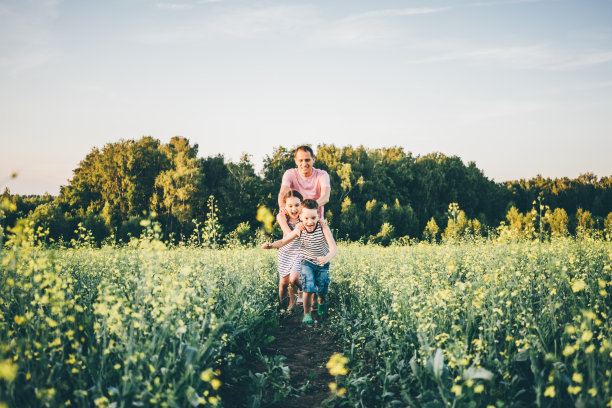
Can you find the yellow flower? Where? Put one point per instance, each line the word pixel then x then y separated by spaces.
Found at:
pixel 587 336
pixel 550 391
pixel 336 363
pixel 207 375
pixel 578 286
pixel 456 389
pixel 577 377
pixel 333 387
pixel 213 400
pixel 101 402
pixel 51 322
pixel 8 370
pixel 568 350
pixel 20 320
pixel 574 389
pixel 592 392
pixel 215 383
pixel 478 388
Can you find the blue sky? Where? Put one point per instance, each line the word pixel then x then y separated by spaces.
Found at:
pixel 520 87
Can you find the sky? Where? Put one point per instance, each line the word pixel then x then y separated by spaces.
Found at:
pixel 521 87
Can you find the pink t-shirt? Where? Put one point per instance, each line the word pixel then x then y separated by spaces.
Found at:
pixel 309 187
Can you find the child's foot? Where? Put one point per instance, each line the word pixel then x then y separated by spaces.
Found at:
pixel 290 309
pixel 322 309
pixel 299 297
pixel 307 319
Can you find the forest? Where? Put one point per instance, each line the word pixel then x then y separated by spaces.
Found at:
pixel 379 195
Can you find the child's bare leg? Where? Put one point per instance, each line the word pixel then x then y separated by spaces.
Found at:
pixel 283 289
pixel 295 281
pixel 307 301
pixel 291 289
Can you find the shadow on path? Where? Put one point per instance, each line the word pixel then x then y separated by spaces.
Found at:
pixel 307 349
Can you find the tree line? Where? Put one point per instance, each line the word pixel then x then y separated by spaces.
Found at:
pixel 377 195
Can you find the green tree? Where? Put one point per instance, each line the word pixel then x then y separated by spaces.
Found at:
pixel 431 230
pixel 557 221
pixel 176 187
pixel 119 179
pixel 584 222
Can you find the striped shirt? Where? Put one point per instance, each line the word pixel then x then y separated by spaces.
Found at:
pixel 289 255
pixel 313 244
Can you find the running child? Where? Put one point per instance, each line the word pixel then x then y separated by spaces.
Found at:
pixel 317 248
pixel 288 259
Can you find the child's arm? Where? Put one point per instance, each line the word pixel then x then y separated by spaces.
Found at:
pixel 331 243
pixel 281 218
pixel 282 242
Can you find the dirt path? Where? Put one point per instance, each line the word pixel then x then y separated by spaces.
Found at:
pixel 307 348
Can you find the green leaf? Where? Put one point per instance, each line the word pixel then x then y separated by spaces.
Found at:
pixel 438 363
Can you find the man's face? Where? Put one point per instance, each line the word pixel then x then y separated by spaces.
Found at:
pixel 304 162
pixel 309 217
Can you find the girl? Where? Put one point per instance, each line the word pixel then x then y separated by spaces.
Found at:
pixel 289 261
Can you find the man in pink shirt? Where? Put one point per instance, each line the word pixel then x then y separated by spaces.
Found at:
pixel 310 182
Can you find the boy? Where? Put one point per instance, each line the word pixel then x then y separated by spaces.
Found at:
pixel 317 248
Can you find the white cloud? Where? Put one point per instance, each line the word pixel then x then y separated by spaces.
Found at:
pixel 174 6
pixel 395 13
pixel 244 23
pixel 536 56
pixel 252 22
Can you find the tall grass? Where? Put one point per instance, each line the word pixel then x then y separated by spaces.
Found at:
pixel 477 324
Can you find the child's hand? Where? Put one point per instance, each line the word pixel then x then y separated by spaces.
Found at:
pixel 266 245
pixel 322 260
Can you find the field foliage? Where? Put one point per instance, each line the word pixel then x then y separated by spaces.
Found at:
pixel 477 323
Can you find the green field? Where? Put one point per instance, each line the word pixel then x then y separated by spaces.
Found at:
pixel 477 324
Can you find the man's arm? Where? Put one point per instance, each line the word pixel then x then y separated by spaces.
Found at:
pixel 282 242
pixel 324 199
pixel 331 242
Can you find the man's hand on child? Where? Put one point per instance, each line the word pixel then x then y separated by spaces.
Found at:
pixel 301 226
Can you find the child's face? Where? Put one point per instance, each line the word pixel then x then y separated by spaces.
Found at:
pixel 292 206
pixel 309 217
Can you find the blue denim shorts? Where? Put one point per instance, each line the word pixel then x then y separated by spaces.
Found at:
pixel 315 278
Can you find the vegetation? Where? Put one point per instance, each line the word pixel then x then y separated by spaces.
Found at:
pixel 504 322
pixel 477 323
pixel 378 195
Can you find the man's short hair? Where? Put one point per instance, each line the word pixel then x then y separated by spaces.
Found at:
pixel 310 204
pixel 304 148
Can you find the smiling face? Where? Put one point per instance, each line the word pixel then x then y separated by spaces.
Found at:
pixel 292 206
pixel 304 162
pixel 310 217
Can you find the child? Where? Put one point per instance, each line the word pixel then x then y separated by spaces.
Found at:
pixel 317 248
pixel 289 255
